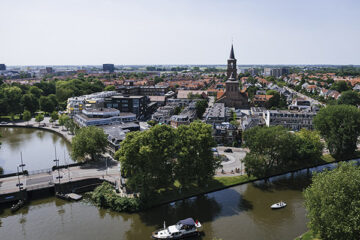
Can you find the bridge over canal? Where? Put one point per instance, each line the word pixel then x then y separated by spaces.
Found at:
pixel 67 179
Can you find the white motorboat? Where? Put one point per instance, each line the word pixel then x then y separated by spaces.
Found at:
pixel 278 205
pixel 182 229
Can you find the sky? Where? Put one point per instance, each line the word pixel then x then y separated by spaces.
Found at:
pixel 137 32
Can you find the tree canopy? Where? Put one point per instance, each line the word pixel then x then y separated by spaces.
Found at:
pixel 157 157
pixel 270 151
pixel 88 141
pixel 39 118
pixel 349 98
pixel 46 95
pixel 201 107
pixel 195 160
pixel 26 116
pixel 339 125
pixel 340 86
pixel 333 203
pixel 147 158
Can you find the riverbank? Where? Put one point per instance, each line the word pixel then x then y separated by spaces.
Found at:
pixel 175 193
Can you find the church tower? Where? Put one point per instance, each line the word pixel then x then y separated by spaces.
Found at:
pixel 232 96
pixel 231 67
pixel 232 85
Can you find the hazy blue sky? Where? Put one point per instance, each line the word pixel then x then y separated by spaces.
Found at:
pixel 49 32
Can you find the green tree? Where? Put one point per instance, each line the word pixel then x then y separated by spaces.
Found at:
pixel 276 101
pixel 195 161
pixel 46 104
pixel 349 98
pixel 333 203
pixel 340 86
pixel 147 159
pixel 30 102
pixel 152 122
pixel 309 147
pixel 39 118
pixel 26 116
pixel 251 91
pixel 12 98
pixel 63 119
pixel 339 125
pixel 37 92
pixel 271 146
pixel 201 107
pixel 110 88
pixel 54 116
pixel 233 120
pixel 88 141
pixel 70 125
pixel 271 92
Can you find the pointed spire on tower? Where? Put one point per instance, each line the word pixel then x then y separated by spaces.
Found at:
pixel 232 55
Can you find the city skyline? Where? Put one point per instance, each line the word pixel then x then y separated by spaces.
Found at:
pixel 180 32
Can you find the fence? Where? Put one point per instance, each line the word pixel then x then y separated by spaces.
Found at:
pixel 46 170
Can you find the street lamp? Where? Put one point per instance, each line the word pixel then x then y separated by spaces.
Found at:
pixel 22 165
pixel 57 166
pixel 19 184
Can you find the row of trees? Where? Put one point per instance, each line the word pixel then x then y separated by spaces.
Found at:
pixel 157 157
pixel 275 149
pixel 47 96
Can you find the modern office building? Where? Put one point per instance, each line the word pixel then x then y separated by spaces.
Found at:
pixel 102 116
pixel 108 67
pixel 143 90
pixel 134 104
pixel 2 67
pixel 76 104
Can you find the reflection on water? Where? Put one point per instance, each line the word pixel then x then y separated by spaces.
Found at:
pixel 241 212
pixel 37 147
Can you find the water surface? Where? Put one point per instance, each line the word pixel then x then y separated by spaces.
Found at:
pixel 37 147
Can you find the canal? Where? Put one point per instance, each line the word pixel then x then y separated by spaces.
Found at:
pixel 37 147
pixel 241 212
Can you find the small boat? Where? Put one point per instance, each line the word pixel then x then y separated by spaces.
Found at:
pixel 278 205
pixel 17 206
pixel 182 229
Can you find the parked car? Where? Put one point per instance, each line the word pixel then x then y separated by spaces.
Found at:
pixel 228 150
pixel 214 150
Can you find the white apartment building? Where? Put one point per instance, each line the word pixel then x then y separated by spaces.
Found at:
pixel 293 120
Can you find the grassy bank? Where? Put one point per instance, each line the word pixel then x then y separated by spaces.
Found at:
pixel 176 193
pixel 307 236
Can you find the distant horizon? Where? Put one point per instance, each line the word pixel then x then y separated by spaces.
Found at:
pixel 138 65
pixel 179 32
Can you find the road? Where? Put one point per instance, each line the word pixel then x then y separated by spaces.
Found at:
pixel 235 161
pixel 312 101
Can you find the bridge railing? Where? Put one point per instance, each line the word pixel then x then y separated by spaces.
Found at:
pixel 40 186
pixel 46 170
